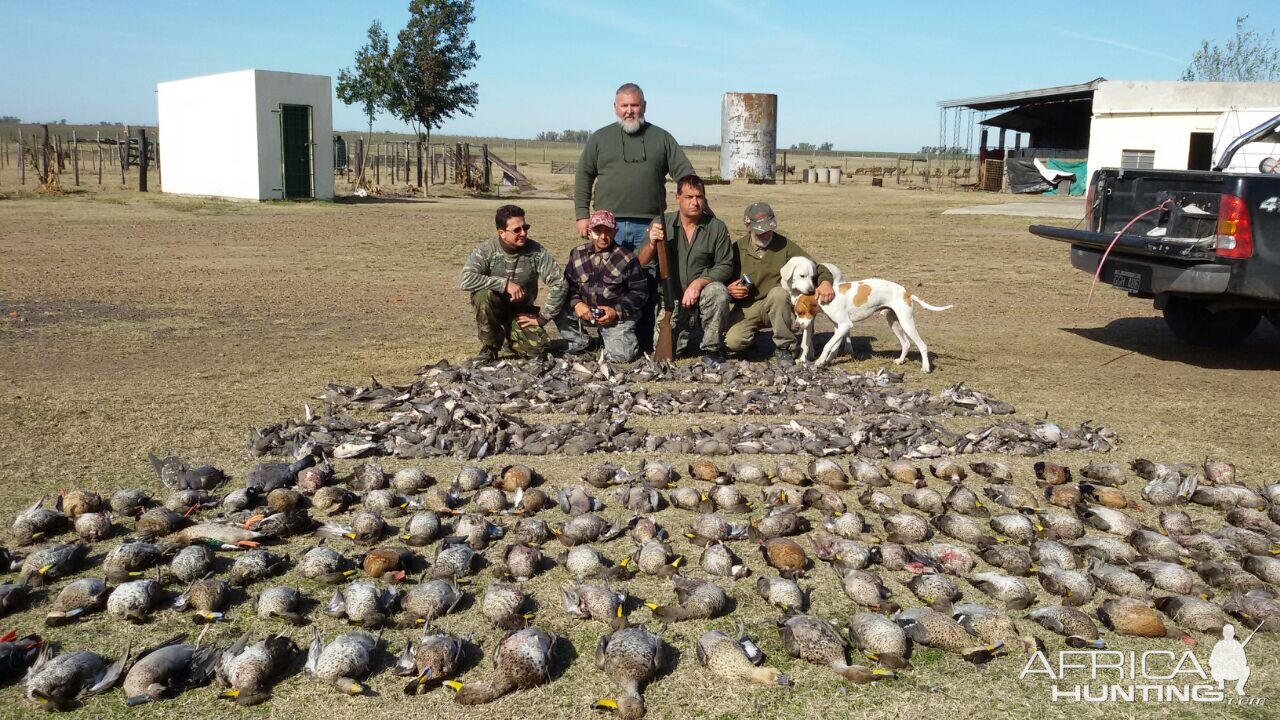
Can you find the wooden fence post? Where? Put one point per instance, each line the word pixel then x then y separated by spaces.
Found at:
pixel 44 153
pixel 784 167
pixel 75 157
pixel 487 178
pixel 122 149
pixel 22 159
pixel 142 160
pixel 99 165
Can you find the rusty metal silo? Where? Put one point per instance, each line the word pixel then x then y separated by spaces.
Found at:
pixel 749 136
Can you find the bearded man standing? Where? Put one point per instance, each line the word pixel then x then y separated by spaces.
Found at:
pixel 624 169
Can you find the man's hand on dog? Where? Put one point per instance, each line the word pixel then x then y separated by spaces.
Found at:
pixel 738 290
pixel 825 293
pixel 527 320
pixel 515 293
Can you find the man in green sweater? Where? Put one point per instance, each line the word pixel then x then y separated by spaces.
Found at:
pixel 700 261
pixel 502 275
pixel 763 301
pixel 624 169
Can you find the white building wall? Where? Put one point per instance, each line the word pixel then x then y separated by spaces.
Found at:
pixel 1160 116
pixel 278 88
pixel 220 135
pixel 208 136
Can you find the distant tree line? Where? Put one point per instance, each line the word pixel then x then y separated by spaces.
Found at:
pixel 942 150
pixel 573 136
pixel 810 147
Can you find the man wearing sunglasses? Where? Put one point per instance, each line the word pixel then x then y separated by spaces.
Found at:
pixel 624 169
pixel 502 275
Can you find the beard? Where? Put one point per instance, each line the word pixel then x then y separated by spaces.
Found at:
pixel 631 127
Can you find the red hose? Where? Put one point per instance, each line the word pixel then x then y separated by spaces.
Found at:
pixel 1115 240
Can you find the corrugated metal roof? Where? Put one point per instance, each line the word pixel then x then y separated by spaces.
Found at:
pixel 1022 97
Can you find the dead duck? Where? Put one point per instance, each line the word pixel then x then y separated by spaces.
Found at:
pixel 948 471
pixel 904 472
pixel 1103 495
pixel 53 563
pixel 475 530
pixel 529 502
pixel 366 528
pixel 841 553
pixel 935 590
pixel 516 477
pixel 952 559
pixel 94 527
pixel 1126 616
pixel 192 563
pixel 423 528
pixel 960 499
pixel 1265 567
pixel 777 522
pixel 717 559
pixel 436 657
pixel 1156 546
pixel 577 501
pixel 1074 586
pixel 248 671
pixel 37 523
pixel 691 499
pixel 995 627
pixel 13 597
pixel 57 682
pixel 1052 552
pixel 1115 522
pixel 706 470
pixel 925 499
pixel 817 641
pixel 343 662
pixel 333 499
pixel 697 599
pixel 962 528
pixel 310 480
pixel 521 661
pixel 386 564
pixel 746 471
pixel 1011 559
pixel 130 501
pixel 75 600
pixel 265 477
pixel 133 601
pixel 818 498
pixel 362 603
pixel 471 478
pixel 74 503
pixel 829 473
pixel 183 503
pixel 442 500
pixel 530 531
pixel 729 659
pixel 655 557
pixel 1118 580
pixel 782 593
pixel 1107 549
pixel 130 560
pixel 521 561
pixel 1018 528
pixel 168 670
pixel 992 469
pixel 453 560
pixel 638 498
pixel 1177 523
pixel 848 525
pixel 587 528
pixel 880 639
pixel 1064 496
pixel 18 654
pixel 1193 613
pixel 791 473
pixel 1254 608
pixel 631 657
pixel 877 502
pixel 1170 577
pixel 868 590
pixel 427 601
pixel 1048 474
pixel 599 476
pixel 216 535
pixel 390 504
pixel 596 601
pixel 255 565
pixel 938 630
pixel 1013 592
pixel 280 601
pixel 1060 526
pixel 1014 497
pixel 502 605
pixel 208 598
pixel 584 561
pixel 325 565
pixel 785 555
pixel 175 474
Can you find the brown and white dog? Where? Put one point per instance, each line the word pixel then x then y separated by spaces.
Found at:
pixel 854 301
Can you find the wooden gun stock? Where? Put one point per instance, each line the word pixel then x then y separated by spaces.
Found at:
pixel 664 348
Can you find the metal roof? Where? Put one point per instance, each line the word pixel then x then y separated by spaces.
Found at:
pixel 1022 97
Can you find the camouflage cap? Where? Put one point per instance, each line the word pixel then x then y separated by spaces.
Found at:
pixel 759 218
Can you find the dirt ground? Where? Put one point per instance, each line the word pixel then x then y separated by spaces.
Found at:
pixel 132 324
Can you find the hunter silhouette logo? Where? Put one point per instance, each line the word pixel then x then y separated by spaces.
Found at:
pixel 1227 662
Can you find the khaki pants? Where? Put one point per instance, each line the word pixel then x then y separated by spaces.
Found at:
pixel 703 325
pixel 773 311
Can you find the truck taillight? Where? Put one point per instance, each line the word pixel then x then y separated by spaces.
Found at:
pixel 1235 234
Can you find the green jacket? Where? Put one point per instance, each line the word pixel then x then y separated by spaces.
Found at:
pixel 765 266
pixel 709 255
pixel 489 266
pixel 627 174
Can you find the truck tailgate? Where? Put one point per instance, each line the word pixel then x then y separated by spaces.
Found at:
pixel 1128 244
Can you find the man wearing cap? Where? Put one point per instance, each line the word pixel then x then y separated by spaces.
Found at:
pixel 700 262
pixel 623 169
pixel 502 275
pixel 763 302
pixel 607 288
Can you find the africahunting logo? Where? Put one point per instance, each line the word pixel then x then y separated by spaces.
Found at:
pixel 1158 676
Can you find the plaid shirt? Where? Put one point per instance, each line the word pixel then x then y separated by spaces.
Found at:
pixel 610 278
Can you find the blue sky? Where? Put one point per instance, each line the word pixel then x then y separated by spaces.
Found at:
pixel 862 75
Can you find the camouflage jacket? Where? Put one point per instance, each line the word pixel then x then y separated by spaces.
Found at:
pixel 490 266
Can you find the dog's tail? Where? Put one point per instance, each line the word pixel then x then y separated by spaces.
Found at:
pixel 927 306
pixel 837 277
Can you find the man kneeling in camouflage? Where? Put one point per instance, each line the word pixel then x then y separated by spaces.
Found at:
pixel 607 288
pixel 502 276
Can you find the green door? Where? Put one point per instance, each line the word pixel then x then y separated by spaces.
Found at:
pixel 295 131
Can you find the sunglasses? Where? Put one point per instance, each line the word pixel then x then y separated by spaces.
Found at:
pixel 522 229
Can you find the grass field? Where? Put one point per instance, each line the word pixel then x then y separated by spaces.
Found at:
pixel 132 324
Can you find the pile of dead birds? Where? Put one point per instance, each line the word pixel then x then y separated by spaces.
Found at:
pixel 969 559
pixel 467 413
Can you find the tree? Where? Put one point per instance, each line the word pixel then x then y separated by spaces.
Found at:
pixel 804 146
pixel 825 147
pixel 10 119
pixel 1247 57
pixel 432 55
pixel 368 82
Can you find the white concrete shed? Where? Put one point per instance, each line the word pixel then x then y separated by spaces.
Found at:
pixel 249 135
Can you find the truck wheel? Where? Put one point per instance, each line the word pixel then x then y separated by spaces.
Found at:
pixel 1193 323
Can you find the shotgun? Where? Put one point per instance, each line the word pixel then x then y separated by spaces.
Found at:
pixel 664 348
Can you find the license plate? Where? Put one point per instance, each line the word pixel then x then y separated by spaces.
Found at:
pixel 1126 280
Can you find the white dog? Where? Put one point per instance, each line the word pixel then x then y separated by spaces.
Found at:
pixel 854 301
